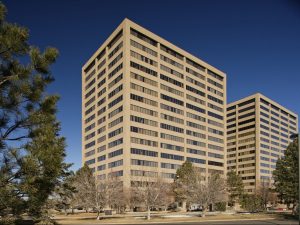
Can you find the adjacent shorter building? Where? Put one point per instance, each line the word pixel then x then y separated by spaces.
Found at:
pixel 147 106
pixel 258 133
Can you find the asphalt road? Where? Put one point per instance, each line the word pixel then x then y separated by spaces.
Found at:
pixel 237 222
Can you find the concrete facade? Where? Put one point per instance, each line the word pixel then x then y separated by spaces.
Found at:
pixel 258 132
pixel 147 106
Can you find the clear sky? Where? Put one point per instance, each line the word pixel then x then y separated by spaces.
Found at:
pixel 256 43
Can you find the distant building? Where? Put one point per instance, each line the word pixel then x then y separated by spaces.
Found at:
pixel 147 106
pixel 258 132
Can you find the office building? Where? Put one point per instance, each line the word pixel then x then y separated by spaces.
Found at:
pixel 147 106
pixel 258 133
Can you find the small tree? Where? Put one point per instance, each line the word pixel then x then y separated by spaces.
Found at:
pixel 151 193
pixel 181 186
pixel 286 175
pixel 63 196
pixel 266 192
pixel 252 202
pixel 207 192
pixel 235 187
pixel 116 196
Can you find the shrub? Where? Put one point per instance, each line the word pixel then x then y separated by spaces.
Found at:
pixel 220 206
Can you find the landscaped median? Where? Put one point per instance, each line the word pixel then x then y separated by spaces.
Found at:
pixel 138 218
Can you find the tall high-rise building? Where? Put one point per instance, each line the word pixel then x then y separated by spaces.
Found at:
pixel 147 106
pixel 258 133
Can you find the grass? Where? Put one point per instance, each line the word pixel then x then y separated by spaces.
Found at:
pixel 91 218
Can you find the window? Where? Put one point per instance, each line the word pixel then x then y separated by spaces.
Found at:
pixel 194 90
pixel 116 49
pixel 171 128
pixel 171 52
pixel 195 134
pixel 194 99
pixel 215 155
pixel 143 79
pixel 171 71
pixel 194 64
pixel 142 173
pixel 195 160
pixel 101 73
pixel 115 39
pixel 143 89
pixel 212 106
pixel 143 100
pixel 193 107
pixel 195 151
pixel 147 163
pixel 118 78
pixel 115 71
pixel 195 117
pixel 91 74
pixel 116 101
pixel 215 99
pixel 143 142
pixel 137 151
pixel 172 118
pixel 195 125
pixel 171 80
pixel 214 83
pixel 115 112
pixel 219 93
pixel 90 93
pixel 115 132
pixel 143 69
pixel 171 90
pixel 101 158
pixel 196 143
pixel 171 156
pixel 170 166
pixel 143 121
pixel 115 122
pixel 90 84
pixel 172 147
pixel 143 58
pixel 143 131
pixel 213 74
pixel 115 163
pixel 143 37
pixel 246 102
pixel 89 67
pixel 115 60
pixel 171 61
pixel 171 109
pixel 114 92
pixel 115 143
pixel 197 83
pixel 143 110
pixel 171 137
pixel 196 74
pixel 213 163
pixel 101 54
pixel 215 115
pixel 143 48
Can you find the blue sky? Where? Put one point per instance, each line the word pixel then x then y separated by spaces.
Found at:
pixel 256 43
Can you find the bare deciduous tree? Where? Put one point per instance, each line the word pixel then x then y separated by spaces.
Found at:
pixel 206 192
pixel 266 192
pixel 151 193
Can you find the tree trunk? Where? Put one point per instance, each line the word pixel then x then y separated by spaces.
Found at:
pixel 98 214
pixel 148 213
pixel 184 205
pixel 65 209
pixel 204 209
